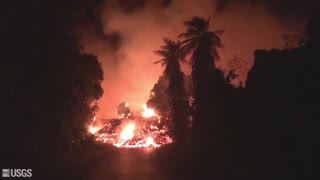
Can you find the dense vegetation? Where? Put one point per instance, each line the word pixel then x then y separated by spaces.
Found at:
pixel 266 130
pixel 49 86
pixel 172 54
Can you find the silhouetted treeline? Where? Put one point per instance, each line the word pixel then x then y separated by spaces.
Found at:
pixel 268 130
pixel 48 85
pixel 265 130
pixel 158 98
pixel 172 54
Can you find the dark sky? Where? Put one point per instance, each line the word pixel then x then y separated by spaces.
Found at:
pixel 282 8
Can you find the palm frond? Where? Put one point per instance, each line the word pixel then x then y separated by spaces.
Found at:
pixel 195 22
pixel 191 32
pixel 166 40
pixel 184 61
pixel 214 39
pixel 193 39
pixel 197 30
pixel 159 61
pixel 172 53
pixel 183 35
pixel 189 44
pixel 162 53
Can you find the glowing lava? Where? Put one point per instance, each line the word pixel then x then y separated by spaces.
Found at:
pixel 148 112
pixel 150 141
pixel 139 133
pixel 93 129
pixel 128 132
pixel 145 131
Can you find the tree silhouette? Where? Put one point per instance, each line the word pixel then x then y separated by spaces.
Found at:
pixel 158 98
pixel 203 45
pixel 295 39
pixel 237 68
pixel 124 110
pixel 312 36
pixel 51 89
pixel 172 56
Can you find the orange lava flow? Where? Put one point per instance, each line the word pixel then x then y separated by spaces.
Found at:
pixel 145 131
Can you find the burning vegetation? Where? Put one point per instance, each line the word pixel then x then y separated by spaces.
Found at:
pixel 141 131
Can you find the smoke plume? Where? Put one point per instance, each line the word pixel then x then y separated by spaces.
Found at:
pixel 139 28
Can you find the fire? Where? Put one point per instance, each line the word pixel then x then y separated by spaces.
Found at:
pixel 143 131
pixel 147 134
pixel 93 129
pixel 148 112
pixel 128 132
pixel 94 126
pixel 150 141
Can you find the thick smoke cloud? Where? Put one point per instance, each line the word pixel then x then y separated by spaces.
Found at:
pixel 131 32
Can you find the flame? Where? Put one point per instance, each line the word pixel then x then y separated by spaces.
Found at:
pixel 148 112
pixel 132 136
pixel 127 133
pixel 147 132
pixel 93 129
pixel 150 142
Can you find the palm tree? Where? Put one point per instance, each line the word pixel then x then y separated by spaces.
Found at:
pixel 172 55
pixel 202 44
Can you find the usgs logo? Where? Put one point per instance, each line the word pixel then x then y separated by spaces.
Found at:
pixel 16 172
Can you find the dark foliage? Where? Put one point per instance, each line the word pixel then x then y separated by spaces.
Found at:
pixel 172 54
pixel 267 130
pixel 202 44
pixel 48 85
pixel 124 110
pixel 158 98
